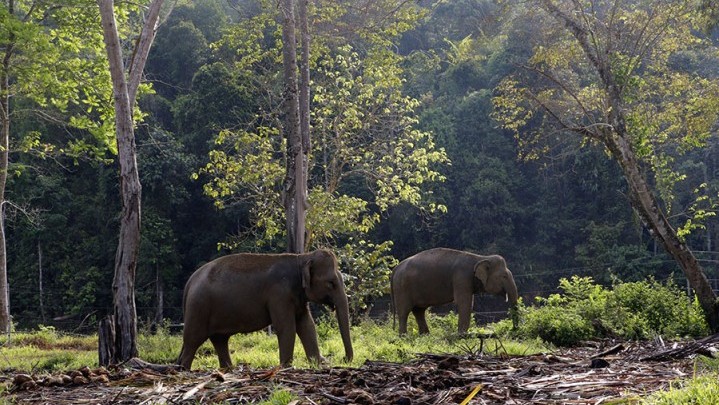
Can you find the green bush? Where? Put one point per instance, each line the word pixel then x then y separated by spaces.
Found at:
pixel 586 310
pixel 558 325
pixel 663 309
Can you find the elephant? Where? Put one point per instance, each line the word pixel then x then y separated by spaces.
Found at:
pixel 246 292
pixel 439 276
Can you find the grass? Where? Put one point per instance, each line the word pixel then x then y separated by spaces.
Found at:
pixel 700 390
pixel 371 341
pixel 47 350
pixel 279 397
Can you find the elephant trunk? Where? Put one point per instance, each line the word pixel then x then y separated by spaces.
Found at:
pixel 512 297
pixel 343 320
pixel 511 289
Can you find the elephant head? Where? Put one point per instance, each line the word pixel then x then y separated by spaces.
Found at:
pixel 496 278
pixel 322 283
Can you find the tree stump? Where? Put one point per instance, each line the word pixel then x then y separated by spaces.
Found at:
pixel 106 340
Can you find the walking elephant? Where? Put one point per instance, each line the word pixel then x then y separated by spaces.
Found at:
pixel 440 276
pixel 245 292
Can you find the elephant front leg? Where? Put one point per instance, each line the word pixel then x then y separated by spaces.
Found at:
pixel 464 301
pixel 283 323
pixel 307 332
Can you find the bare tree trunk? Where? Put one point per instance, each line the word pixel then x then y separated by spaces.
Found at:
pixel 125 314
pixel 304 88
pixel 295 181
pixel 123 285
pixel 39 281
pixel 5 320
pixel 160 296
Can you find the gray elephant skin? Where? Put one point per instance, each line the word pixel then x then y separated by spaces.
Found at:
pixel 246 292
pixel 440 276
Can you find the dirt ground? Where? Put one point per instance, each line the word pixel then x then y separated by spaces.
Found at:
pixel 594 373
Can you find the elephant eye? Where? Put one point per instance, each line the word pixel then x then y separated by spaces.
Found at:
pixel 331 285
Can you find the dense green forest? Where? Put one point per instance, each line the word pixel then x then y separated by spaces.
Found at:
pixel 409 152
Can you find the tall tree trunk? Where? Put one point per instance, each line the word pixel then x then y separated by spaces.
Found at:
pixel 39 282
pixel 295 180
pixel 304 88
pixel 123 285
pixel 160 297
pixel 5 320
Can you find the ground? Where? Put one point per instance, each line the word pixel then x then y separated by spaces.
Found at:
pixel 591 374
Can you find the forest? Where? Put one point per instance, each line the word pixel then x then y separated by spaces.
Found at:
pixel 468 124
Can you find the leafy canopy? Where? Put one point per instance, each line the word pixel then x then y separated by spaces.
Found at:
pixel 367 153
pixel 639 46
pixel 58 73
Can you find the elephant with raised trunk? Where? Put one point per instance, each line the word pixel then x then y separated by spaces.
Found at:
pixel 440 276
pixel 245 292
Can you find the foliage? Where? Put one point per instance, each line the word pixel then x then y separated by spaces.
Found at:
pixel 699 390
pixel 368 267
pixel 367 154
pixel 58 65
pixel 670 108
pixel 634 310
pixel 658 308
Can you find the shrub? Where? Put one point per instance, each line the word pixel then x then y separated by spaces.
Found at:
pixel 585 310
pixel 663 309
pixel 558 326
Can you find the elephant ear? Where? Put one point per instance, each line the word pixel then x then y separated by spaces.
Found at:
pixel 306 274
pixel 481 271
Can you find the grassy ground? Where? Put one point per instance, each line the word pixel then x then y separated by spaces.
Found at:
pixel 46 351
pixel 371 341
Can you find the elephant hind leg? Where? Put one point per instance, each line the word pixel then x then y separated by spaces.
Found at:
pixel 419 315
pixel 221 344
pixel 187 354
pixel 402 314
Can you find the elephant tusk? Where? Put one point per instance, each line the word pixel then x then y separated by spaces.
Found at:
pixel 506 297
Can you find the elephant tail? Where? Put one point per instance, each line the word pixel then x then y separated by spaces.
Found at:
pixel 179 358
pixel 391 301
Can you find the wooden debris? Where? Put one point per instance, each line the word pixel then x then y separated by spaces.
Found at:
pixel 564 377
pixel 702 346
pixel 612 350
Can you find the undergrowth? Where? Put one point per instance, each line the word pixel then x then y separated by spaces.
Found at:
pixel 586 310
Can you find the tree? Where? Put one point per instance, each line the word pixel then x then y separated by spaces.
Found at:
pixel 606 71
pixel 366 155
pixel 123 340
pixel 50 69
pixel 295 187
